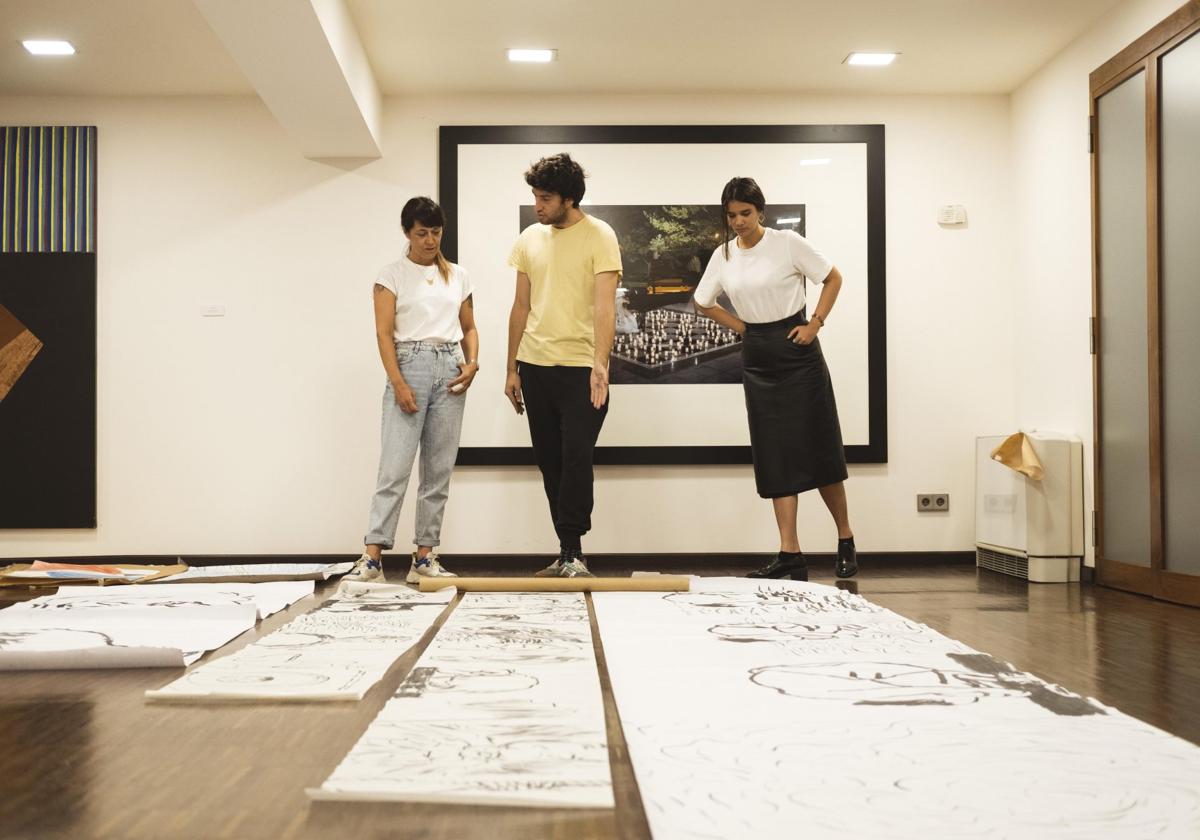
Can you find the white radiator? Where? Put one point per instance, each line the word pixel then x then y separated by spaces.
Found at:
pixel 1031 529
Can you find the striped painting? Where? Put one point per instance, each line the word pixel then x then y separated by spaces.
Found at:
pixel 48 181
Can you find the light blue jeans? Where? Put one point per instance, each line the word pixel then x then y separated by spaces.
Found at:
pixel 427 367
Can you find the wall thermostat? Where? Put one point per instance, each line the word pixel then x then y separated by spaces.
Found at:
pixel 952 215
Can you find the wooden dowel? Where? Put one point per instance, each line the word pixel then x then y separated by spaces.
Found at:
pixel 651 583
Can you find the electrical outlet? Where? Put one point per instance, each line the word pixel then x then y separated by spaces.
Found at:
pixel 933 501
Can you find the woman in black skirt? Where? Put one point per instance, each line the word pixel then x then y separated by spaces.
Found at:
pixel 794 431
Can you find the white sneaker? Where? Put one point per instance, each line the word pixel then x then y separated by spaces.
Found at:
pixel 366 570
pixel 575 567
pixel 428 566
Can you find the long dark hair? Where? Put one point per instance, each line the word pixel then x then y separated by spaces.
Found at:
pixel 739 189
pixel 426 211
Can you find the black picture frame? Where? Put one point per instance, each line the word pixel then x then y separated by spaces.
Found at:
pixel 875 451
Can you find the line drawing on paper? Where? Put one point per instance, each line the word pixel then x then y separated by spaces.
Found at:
pixel 503 708
pixel 336 651
pixel 790 704
pixel 963 680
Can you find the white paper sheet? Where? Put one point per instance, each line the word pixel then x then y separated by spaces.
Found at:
pixel 334 653
pixel 772 709
pixel 504 708
pixel 257 573
pixel 121 627
pixel 268 598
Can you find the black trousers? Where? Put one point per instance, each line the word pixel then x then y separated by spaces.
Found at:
pixel 563 427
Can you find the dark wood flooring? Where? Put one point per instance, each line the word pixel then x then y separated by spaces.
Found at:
pixel 82 756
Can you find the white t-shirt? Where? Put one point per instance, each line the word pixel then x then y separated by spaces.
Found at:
pixel 426 305
pixel 765 283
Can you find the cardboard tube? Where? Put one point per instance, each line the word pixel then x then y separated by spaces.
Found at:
pixel 654 583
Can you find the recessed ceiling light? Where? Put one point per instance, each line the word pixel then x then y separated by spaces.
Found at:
pixel 537 56
pixel 49 47
pixel 789 221
pixel 870 59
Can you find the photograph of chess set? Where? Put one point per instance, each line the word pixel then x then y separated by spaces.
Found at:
pixel 666 341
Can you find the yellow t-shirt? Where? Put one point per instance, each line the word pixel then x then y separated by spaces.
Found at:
pixel 562 265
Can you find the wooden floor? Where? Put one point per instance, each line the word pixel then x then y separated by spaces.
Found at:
pixel 82 756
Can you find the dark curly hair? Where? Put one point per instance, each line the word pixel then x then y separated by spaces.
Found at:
pixel 558 174
pixel 745 190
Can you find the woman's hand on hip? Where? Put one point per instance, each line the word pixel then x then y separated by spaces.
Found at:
pixel 405 397
pixel 512 390
pixel 803 334
pixel 466 375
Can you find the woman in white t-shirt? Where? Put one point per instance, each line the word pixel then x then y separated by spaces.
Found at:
pixel 794 430
pixel 425 329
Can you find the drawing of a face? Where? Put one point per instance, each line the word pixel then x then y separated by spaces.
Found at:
pixel 470 682
pixel 856 637
pixel 79 604
pixel 368 605
pixel 770 600
pixel 483 749
pixel 54 639
pixel 546 613
pixel 869 683
pixel 528 756
pixel 966 679
pixel 785 632
pixel 519 638
pixel 285 639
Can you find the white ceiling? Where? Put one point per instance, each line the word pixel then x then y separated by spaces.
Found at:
pixel 165 47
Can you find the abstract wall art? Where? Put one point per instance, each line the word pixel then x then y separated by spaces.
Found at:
pixel 48 326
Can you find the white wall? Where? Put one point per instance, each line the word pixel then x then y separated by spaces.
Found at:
pixel 257 433
pixel 1052 236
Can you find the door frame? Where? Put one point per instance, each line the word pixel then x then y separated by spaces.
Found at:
pixel 1143 55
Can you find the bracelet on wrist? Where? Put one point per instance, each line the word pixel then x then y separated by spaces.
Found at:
pixel 820 318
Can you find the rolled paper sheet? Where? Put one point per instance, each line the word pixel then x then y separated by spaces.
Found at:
pixel 1016 452
pixel 663 583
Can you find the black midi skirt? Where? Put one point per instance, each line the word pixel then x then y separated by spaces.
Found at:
pixel 794 429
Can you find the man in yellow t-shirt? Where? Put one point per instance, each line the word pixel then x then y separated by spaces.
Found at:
pixel 560 335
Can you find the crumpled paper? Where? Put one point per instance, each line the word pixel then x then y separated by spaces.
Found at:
pixel 1016 452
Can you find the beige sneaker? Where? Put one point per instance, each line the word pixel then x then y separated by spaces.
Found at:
pixel 550 571
pixel 428 566
pixel 366 570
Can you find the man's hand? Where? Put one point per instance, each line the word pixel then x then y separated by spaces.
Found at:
pixel 512 390
pixel 599 387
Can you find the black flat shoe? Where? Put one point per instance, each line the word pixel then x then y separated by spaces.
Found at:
pixel 847 559
pixel 785 565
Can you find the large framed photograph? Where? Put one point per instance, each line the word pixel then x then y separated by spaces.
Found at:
pixel 676 395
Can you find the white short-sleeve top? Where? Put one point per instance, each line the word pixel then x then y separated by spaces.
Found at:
pixel 427 306
pixel 766 282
